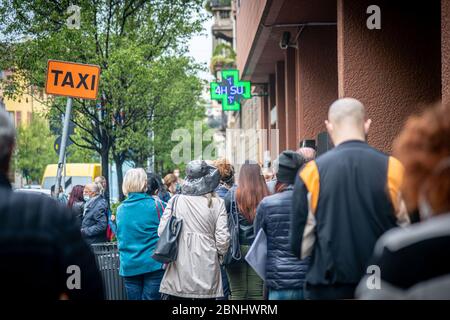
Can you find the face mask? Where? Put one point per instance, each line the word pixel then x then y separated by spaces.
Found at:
pixel 86 198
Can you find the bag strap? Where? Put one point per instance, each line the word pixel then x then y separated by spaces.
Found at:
pixel 234 213
pixel 236 253
pixel 175 200
pixel 158 201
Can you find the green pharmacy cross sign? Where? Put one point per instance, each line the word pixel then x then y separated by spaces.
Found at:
pixel 230 91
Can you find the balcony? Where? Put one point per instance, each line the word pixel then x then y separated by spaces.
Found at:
pixel 220 3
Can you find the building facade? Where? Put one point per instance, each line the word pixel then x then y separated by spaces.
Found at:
pixel 306 54
pixel 22 107
pixel 21 110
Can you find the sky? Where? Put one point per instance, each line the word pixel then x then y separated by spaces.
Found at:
pixel 200 48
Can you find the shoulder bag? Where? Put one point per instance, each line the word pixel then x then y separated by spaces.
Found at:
pixel 166 250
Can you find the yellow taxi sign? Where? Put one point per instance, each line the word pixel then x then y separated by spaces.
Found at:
pixel 72 79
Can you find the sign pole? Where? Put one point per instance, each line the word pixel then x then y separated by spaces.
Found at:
pixel 71 80
pixel 62 149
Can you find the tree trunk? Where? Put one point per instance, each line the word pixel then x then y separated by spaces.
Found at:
pixel 105 172
pixel 118 161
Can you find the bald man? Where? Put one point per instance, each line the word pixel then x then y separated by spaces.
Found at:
pixel 343 202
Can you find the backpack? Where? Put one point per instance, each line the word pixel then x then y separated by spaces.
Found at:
pixel 234 251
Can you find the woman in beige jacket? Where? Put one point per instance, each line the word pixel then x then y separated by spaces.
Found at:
pixel 204 236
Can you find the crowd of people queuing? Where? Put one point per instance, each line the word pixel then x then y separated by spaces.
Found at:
pixel 326 220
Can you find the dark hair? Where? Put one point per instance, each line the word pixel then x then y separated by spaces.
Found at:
pixel 280 186
pixel 153 183
pixel 53 187
pixel 251 190
pixel 75 195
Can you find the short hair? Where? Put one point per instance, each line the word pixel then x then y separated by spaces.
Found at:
pixel 153 183
pixel 226 170
pixel 135 180
pixel 94 187
pixel 347 110
pixel 170 179
pixel 7 137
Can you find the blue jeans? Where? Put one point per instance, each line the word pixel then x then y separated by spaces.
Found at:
pixel 225 284
pixel 144 286
pixel 288 294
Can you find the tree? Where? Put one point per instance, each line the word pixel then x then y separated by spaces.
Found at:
pixel 126 38
pixel 223 57
pixel 34 149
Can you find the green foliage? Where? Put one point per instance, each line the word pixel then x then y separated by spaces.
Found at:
pixel 76 154
pixel 34 149
pixel 224 56
pixel 140 46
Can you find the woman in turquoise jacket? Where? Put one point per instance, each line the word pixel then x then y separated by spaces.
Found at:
pixel 137 234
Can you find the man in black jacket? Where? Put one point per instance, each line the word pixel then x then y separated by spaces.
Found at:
pixel 343 202
pixel 95 219
pixel 42 253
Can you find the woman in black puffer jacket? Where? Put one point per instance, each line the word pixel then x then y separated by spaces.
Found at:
pixel 285 273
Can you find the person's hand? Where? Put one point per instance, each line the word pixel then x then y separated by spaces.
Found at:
pixel 113 217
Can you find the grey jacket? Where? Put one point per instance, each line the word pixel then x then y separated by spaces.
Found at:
pixel 94 223
pixel 204 239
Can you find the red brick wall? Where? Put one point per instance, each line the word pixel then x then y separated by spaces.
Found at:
pixel 317 85
pixel 445 37
pixel 393 71
pixel 247 21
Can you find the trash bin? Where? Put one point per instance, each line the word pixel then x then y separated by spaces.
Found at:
pixel 107 257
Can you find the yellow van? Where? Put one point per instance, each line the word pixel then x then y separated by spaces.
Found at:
pixel 75 173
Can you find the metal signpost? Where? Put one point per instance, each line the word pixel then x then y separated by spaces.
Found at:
pixel 73 80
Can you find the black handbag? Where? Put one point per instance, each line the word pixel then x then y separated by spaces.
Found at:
pixel 166 250
pixel 234 252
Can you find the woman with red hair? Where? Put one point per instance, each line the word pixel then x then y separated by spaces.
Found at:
pixel 76 202
pixel 241 203
pixel 414 263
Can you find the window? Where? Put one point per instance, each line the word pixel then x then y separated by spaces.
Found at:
pixel 11 116
pixel 67 184
pixel 224 14
pixel 18 118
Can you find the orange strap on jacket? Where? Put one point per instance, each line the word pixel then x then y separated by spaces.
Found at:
pixel 310 176
pixel 394 181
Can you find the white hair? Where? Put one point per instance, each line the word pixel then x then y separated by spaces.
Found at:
pixel 93 187
pixel 135 180
pixel 7 136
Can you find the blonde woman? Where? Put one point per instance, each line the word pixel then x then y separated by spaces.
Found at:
pixel 137 234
